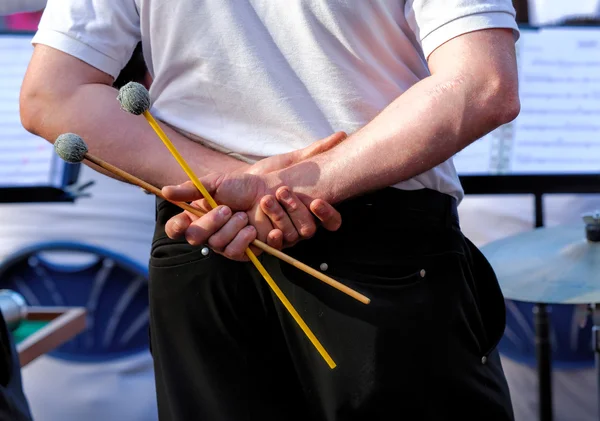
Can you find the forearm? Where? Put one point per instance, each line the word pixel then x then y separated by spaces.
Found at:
pixel 422 128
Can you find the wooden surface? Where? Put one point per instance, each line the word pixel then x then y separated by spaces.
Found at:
pixel 64 323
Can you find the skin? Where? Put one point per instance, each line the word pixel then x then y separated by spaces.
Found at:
pixel 55 99
pixel 472 90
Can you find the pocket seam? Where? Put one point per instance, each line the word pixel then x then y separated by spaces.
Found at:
pixel 194 256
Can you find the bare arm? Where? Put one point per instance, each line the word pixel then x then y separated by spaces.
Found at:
pixel 63 94
pixel 472 90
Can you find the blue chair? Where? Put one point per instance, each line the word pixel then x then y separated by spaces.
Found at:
pixel 106 372
pixel 570 334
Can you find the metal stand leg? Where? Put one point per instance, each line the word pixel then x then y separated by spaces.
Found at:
pixel 596 339
pixel 542 327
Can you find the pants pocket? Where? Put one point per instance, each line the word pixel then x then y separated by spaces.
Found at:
pixel 167 253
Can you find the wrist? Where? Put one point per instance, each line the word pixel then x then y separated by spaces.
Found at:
pixel 242 168
pixel 305 180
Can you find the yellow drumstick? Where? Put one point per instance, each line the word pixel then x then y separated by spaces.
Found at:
pixel 135 99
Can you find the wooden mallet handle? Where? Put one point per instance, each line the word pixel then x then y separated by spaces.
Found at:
pixel 257 243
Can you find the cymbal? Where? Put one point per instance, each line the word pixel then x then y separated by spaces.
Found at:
pixel 555 265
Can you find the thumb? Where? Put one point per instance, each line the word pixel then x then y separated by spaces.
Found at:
pixel 187 192
pixel 323 145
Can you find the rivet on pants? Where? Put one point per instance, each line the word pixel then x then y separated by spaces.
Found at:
pixel 324 267
pixel 483 359
pixel 422 273
pixel 205 251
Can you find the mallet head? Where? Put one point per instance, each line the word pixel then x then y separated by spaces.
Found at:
pixel 70 147
pixel 134 98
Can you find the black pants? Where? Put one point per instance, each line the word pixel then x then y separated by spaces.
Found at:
pixel 424 349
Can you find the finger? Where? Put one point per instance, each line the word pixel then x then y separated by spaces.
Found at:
pixel 202 204
pixel 176 226
pixel 323 145
pixel 197 204
pixel 227 233
pixel 203 228
pixel 279 218
pixel 330 218
pixel 236 249
pixel 275 239
pixel 298 212
pixel 187 192
pixel 260 222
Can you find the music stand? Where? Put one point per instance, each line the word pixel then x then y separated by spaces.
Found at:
pixel 30 171
pixel 555 118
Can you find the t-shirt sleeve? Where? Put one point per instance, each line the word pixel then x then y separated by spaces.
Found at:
pixel 435 22
pixel 102 33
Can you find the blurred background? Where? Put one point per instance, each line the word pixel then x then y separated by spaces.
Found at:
pixel 73 238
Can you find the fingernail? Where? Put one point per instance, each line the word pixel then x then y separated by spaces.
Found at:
pixel 242 216
pixel 320 209
pixel 225 211
pixel 285 194
pixel 269 202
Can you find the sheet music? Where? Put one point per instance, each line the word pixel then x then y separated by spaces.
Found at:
pixel 558 129
pixel 25 159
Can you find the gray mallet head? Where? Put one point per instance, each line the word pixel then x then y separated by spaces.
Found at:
pixel 70 147
pixel 134 98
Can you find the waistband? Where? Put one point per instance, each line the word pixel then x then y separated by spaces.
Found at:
pixel 433 207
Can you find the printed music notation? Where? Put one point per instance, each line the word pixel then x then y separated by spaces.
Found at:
pixel 25 159
pixel 558 129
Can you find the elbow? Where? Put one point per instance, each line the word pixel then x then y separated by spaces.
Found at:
pixel 501 104
pixel 31 109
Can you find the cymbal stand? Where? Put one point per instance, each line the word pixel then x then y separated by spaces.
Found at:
pixel 592 232
pixel 542 339
pixel 544 360
pixel 596 343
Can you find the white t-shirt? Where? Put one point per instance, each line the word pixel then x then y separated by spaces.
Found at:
pixel 260 77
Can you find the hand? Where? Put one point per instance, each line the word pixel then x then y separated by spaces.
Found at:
pixel 289 216
pixel 227 231
pixel 279 162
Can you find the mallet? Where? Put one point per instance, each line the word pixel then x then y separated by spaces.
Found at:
pixel 135 99
pixel 71 148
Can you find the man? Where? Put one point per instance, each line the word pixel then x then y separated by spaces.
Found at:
pixel 413 82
